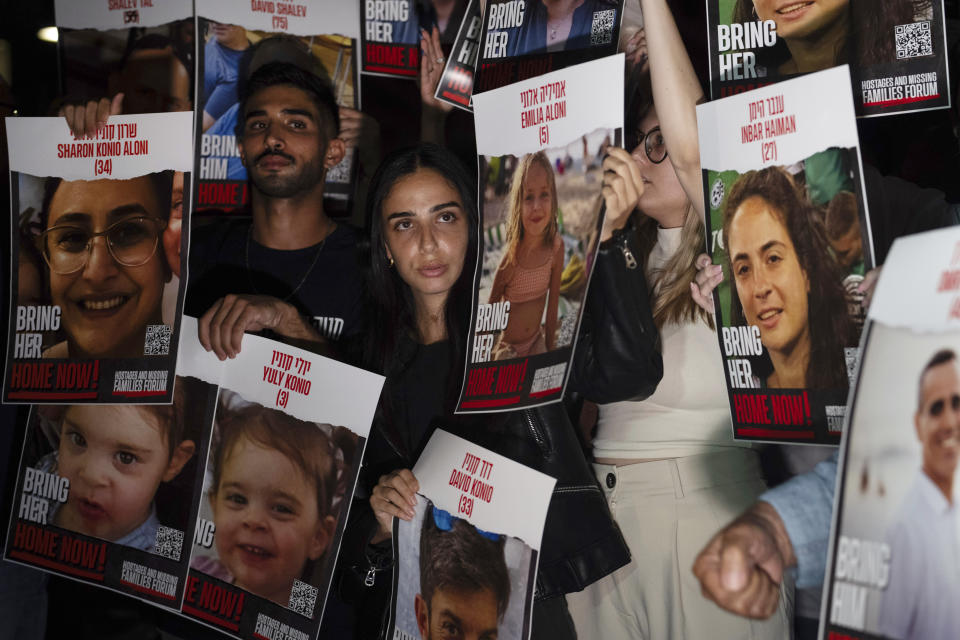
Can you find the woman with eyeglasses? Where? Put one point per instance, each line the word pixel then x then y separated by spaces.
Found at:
pixel 106 269
pixel 668 464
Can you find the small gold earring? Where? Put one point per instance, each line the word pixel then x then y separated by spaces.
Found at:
pixel 391 263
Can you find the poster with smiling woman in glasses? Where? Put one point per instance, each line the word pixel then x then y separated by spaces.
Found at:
pixel 96 244
pixel 787 222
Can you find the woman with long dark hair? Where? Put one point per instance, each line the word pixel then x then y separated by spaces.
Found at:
pixel 424 232
pixel 788 283
pixel 819 34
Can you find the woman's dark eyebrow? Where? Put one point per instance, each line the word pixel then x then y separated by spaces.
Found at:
pixel 445 205
pixel 433 209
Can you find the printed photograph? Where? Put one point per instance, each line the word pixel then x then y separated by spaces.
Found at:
pixel 275 492
pixel 457 581
pixel 540 224
pixel 102 259
pixel 896 561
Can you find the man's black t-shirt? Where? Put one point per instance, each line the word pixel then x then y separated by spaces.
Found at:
pixel 323 283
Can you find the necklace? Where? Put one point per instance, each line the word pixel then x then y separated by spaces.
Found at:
pixel 246 264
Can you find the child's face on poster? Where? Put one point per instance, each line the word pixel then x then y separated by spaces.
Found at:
pixel 105 306
pixel 115 457
pixel 772 285
pixel 267 520
pixel 537 201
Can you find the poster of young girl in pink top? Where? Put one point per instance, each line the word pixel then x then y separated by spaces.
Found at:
pixel 540 193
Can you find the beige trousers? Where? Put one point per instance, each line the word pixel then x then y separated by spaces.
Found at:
pixel 667 511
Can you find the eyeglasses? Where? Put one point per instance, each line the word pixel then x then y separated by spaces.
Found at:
pixel 131 241
pixel 653 144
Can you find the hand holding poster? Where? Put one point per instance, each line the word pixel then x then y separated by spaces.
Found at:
pixel 541 143
pixel 468 559
pixel 89 321
pixel 787 219
pixel 456 83
pixel 108 495
pixel 894 553
pixel 144 50
pixel 522 39
pixel 288 435
pixel 896 49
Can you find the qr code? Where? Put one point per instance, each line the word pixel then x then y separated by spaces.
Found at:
pixel 548 378
pixel 168 543
pixel 568 327
pixel 851 356
pixel 157 342
pixel 303 597
pixel 913 40
pixel 601 31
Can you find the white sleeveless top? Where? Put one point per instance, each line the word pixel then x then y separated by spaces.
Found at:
pixel 689 412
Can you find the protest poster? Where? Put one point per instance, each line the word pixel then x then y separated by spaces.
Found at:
pixel 892 569
pixel 97 321
pixel 522 39
pixel 787 219
pixel 466 565
pixel 143 49
pixel 108 494
pixel 540 143
pixel 456 83
pixel 234 41
pixel 391 35
pixel 287 438
pixel 897 50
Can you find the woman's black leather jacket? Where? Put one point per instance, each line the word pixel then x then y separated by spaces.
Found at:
pixel 617 358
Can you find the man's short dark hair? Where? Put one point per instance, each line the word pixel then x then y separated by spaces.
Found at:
pixel 285 73
pixel 940 357
pixel 462 559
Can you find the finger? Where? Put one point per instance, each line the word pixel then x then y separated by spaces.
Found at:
pixel 394 497
pixel 700 299
pixel 702 261
pixel 78 121
pixel 116 105
pixel 90 120
pixel 234 325
pixel 216 326
pixel 381 504
pixel 735 565
pixel 610 199
pixel 67 112
pixel 404 482
pixel 103 112
pixel 203 325
pixel 435 39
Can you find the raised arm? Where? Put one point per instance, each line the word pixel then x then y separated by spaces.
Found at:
pixel 676 92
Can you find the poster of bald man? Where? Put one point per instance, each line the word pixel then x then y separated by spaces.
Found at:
pixel 894 569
